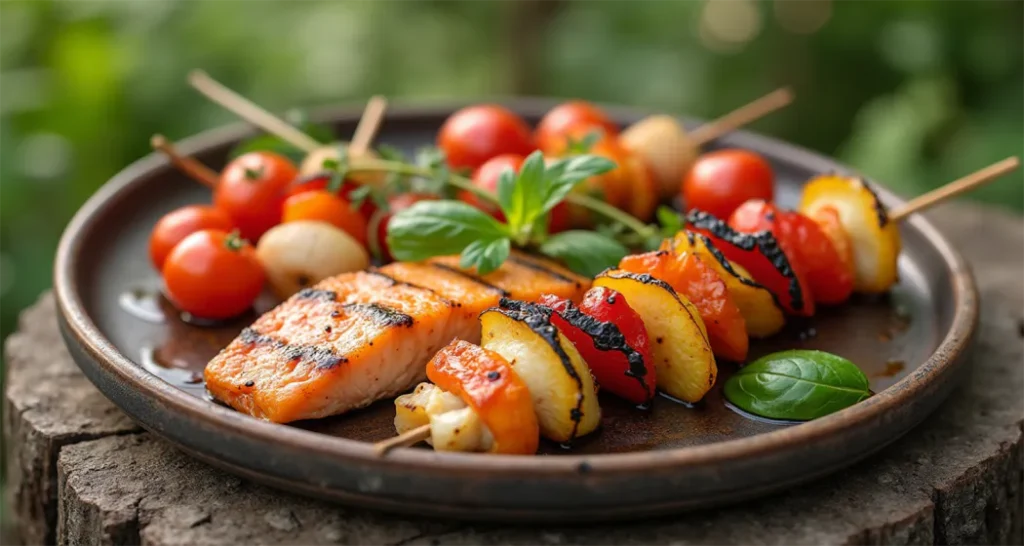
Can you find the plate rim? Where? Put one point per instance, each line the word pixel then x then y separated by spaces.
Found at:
pixel 102 352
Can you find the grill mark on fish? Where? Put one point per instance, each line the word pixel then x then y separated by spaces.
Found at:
pixel 380 314
pixel 530 264
pixel 395 282
pixel 504 293
pixel 322 357
pixel 318 294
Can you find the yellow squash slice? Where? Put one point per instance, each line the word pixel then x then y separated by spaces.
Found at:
pixel 557 377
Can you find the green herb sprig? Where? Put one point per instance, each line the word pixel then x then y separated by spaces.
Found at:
pixel 434 228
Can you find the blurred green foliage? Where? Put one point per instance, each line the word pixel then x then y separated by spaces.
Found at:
pixel 912 93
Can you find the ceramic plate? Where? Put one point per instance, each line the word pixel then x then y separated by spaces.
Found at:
pixel 144 357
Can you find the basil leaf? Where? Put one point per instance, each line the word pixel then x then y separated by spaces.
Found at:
pixel 485 255
pixel 671 221
pixel 506 187
pixel 585 252
pixel 438 228
pixel 527 196
pixel 563 176
pixel 798 384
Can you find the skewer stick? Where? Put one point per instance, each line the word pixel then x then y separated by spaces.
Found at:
pixel 369 123
pixel 250 112
pixel 188 165
pixel 741 116
pixel 965 184
pixel 406 439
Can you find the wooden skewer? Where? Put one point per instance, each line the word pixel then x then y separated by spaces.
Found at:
pixel 190 166
pixel 741 116
pixel 369 123
pixel 965 184
pixel 250 111
pixel 406 439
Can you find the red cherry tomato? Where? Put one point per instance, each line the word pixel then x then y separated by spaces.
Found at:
pixel 320 181
pixel 475 134
pixel 486 178
pixel 180 223
pixel 378 227
pixel 212 274
pixel 252 189
pixel 555 126
pixel 722 180
pixel 325 206
pixel 627 368
pixel 805 243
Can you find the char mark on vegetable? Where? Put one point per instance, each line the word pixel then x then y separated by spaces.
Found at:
pixel 538 319
pixel 504 293
pixel 647 278
pixel 607 337
pixel 883 215
pixel 763 241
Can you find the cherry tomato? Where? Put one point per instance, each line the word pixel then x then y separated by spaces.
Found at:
pixel 180 223
pixel 327 207
pixel 475 134
pixel 806 245
pixel 378 226
pixel 556 124
pixel 252 189
pixel 212 274
pixel 486 178
pixel 722 180
pixel 320 181
pixel 615 187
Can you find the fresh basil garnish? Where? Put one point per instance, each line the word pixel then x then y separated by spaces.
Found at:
pixel 585 252
pixel 798 385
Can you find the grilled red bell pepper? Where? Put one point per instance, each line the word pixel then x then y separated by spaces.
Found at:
pixel 762 255
pixel 807 246
pixel 611 338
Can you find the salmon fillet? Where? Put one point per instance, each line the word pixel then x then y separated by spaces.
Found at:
pixel 361 337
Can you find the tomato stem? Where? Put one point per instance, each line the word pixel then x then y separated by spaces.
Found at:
pixel 234 241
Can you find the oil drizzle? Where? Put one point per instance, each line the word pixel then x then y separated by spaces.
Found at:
pixel 143 304
pixel 150 361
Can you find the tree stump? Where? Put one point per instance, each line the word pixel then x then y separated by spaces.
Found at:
pixel 81 473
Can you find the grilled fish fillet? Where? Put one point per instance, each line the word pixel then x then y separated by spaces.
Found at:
pixel 361 337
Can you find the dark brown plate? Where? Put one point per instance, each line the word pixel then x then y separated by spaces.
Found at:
pixel 911 343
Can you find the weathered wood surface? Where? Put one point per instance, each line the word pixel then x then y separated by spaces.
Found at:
pixel 81 472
